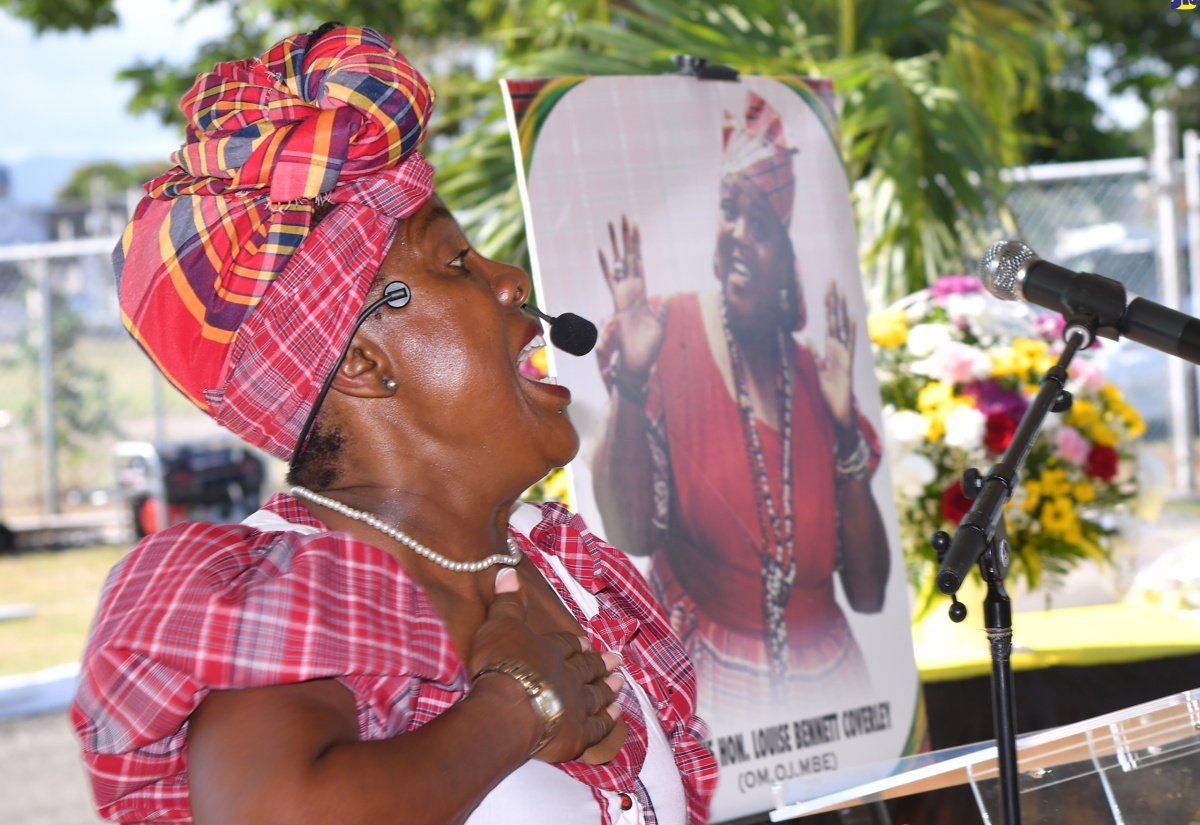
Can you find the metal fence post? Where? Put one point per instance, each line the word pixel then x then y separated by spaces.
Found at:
pixel 1191 179
pixel 41 270
pixel 1178 384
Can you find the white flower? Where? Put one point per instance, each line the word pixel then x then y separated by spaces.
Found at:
pixel 911 474
pixel 923 339
pixel 904 429
pixel 968 306
pixel 1051 423
pixel 965 427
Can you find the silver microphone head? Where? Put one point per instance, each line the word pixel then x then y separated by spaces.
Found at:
pixel 1002 269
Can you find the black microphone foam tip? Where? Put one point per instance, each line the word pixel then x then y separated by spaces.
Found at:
pixel 573 334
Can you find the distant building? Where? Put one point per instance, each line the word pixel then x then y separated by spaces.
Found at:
pixel 85 282
pixel 19 223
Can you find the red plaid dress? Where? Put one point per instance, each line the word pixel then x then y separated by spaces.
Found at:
pixel 205 607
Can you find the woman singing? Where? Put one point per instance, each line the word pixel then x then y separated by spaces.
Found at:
pixel 393 641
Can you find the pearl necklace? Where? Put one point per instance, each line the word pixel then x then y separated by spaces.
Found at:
pixel 510 558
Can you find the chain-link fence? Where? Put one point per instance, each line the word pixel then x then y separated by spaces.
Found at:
pixel 1091 217
pixel 1100 217
pixel 1125 219
pixel 72 383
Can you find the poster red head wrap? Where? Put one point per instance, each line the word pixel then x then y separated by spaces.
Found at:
pixel 757 150
pixel 223 281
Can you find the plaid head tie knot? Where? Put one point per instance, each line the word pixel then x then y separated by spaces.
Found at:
pixel 757 149
pixel 222 279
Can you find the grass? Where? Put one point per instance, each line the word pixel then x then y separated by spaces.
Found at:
pixel 64 588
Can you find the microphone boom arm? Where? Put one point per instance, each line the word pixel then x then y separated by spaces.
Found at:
pixel 978 526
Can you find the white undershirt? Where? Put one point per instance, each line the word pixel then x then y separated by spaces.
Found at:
pixel 540 794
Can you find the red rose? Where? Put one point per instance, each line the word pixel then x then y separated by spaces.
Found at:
pixel 998 432
pixel 955 505
pixel 1102 462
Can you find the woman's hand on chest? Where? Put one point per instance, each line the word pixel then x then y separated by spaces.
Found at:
pixel 526 623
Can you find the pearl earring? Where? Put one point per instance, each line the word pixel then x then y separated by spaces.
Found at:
pixel 390 384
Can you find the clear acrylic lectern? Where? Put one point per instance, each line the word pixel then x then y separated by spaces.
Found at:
pixel 1138 765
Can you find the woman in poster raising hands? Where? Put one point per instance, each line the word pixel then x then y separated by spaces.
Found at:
pixel 735 457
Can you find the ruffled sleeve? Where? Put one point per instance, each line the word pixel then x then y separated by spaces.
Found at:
pixel 206 607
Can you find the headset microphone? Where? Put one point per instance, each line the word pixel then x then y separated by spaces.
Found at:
pixel 568 331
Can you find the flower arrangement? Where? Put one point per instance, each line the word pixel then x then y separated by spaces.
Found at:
pixel 957 370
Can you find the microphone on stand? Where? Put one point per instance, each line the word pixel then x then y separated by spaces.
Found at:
pixel 568 331
pixel 1011 271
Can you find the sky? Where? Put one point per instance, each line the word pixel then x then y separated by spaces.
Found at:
pixel 64 93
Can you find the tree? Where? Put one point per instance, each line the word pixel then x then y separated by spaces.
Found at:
pixel 930 90
pixel 117 177
pixel 1144 47
pixel 1136 47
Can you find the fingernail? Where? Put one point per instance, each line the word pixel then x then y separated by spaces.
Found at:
pixel 585 644
pixel 506 580
pixel 615 711
pixel 611 660
pixel 614 682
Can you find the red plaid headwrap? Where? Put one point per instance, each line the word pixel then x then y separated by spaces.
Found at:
pixel 759 152
pixel 222 280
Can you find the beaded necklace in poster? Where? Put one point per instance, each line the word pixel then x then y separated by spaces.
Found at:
pixel 778 551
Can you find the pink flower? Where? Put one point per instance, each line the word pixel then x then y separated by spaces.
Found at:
pixel 1088 373
pixel 1050 325
pixel 959 363
pixel 955 285
pixel 1072 445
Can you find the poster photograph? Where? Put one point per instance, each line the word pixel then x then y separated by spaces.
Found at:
pixel 729 417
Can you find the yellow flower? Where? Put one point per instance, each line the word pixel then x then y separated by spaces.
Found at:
pixel 1134 423
pixel 1085 492
pixel 935 426
pixel 1083 414
pixel 935 401
pixel 1055 482
pixel 889 328
pixel 934 395
pixel 1030 348
pixel 1103 434
pixel 1034 354
pixel 1058 515
pixel 1033 495
pixel 556 487
pixel 1006 362
pixel 539 362
pixel 1111 394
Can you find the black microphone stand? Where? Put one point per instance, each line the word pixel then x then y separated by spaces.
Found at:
pixel 982 539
